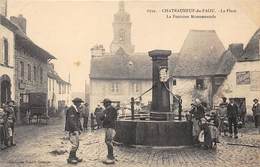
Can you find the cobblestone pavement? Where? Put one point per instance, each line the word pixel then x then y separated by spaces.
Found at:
pixel 35 145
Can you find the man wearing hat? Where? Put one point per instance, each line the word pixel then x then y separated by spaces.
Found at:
pixel 109 121
pixel 232 114
pixel 73 126
pixel 256 112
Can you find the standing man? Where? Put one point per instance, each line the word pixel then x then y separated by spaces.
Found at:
pixel 73 126
pixel 10 111
pixel 99 114
pixel 85 115
pixel 223 114
pixel 256 112
pixel 232 114
pixel 242 112
pixel 109 121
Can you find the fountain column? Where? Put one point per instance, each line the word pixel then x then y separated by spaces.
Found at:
pixel 160 107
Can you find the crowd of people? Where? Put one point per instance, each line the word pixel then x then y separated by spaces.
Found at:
pixel 227 119
pixel 7 123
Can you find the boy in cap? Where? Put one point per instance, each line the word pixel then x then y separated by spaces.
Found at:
pixel 73 126
pixel 109 121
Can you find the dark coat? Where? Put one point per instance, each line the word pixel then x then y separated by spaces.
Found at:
pixel 256 109
pixel 198 112
pixel 110 116
pixel 72 120
pixel 232 111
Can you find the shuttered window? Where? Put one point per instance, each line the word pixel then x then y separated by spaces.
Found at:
pixel 5 49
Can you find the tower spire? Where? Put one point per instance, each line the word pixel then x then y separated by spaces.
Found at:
pixel 122 31
pixel 121 6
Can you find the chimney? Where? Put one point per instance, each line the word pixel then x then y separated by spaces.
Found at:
pixel 236 49
pixel 3 7
pixel 20 21
pixel 51 66
pixel 97 51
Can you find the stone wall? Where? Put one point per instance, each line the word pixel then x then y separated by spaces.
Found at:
pixel 185 87
pixel 23 85
pixel 231 89
pixel 100 89
pixel 7 70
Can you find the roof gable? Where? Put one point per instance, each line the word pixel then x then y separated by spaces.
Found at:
pixel 252 50
pixel 199 56
pixel 24 42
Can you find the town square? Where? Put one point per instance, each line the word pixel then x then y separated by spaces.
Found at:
pixel 128 83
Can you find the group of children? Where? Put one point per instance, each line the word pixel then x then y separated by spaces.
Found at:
pixel 7 121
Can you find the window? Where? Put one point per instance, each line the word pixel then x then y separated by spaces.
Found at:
pixel 41 75
pixel 115 87
pixel 34 73
pixel 59 88
pixel 63 89
pixel 5 52
pixel 200 84
pixel 243 78
pixel 122 35
pixel 136 87
pixel 29 72
pixel 22 69
pixel 174 82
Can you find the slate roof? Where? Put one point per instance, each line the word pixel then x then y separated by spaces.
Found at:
pixel 252 50
pixel 226 63
pixel 121 66
pixel 24 42
pixel 199 56
pixel 54 75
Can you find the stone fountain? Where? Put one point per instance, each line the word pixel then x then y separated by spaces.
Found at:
pixel 161 129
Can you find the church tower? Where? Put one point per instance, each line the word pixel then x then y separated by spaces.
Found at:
pixel 3 7
pixel 122 31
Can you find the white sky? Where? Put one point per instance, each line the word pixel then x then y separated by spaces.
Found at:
pixel 69 28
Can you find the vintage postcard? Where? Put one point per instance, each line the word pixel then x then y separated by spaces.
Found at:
pixel 130 83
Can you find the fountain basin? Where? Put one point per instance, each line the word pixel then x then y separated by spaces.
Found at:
pixel 154 133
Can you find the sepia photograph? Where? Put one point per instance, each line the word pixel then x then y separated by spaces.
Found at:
pixel 129 83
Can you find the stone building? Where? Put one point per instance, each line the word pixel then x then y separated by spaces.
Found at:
pixel 7 51
pixel 121 73
pixel 59 90
pixel 243 80
pixel 193 69
pixel 28 60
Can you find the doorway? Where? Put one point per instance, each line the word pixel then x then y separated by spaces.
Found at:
pixel 5 90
